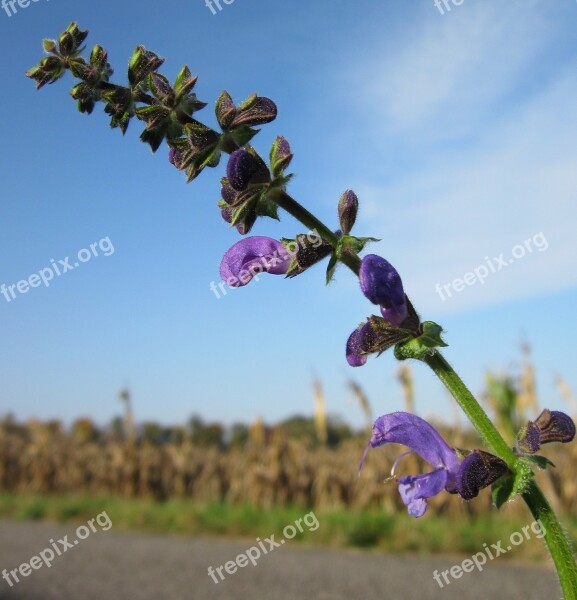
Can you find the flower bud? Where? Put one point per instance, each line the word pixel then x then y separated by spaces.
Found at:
pixel 49 46
pixel 225 110
pixel 70 40
pixel 348 208
pixel 555 426
pixel 141 64
pixel 280 155
pixel 255 110
pixel 477 471
pixel 161 89
pixel 245 167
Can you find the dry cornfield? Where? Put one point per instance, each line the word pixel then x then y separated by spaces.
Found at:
pixel 281 471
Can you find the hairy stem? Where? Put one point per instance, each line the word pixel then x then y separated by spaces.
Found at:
pixel 555 538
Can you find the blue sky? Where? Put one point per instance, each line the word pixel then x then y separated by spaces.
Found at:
pixel 457 131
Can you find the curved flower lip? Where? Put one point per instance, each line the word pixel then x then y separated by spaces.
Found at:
pixel 415 433
pixel 382 285
pixel 415 489
pixel 423 439
pixel 253 255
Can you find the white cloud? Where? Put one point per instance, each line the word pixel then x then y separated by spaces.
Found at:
pixel 448 75
pixel 510 175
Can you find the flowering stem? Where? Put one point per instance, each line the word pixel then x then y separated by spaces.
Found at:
pixel 555 538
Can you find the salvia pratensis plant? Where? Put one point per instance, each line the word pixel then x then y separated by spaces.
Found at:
pixel 254 188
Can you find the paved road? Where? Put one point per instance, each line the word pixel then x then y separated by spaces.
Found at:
pixel 115 565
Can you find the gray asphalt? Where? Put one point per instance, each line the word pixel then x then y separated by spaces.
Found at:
pixel 117 565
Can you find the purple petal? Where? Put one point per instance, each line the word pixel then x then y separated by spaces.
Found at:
pixel 415 489
pixel 414 432
pixel 382 285
pixel 355 356
pixel 253 255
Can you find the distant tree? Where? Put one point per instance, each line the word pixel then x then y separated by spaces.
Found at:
pixel 154 433
pixel 238 435
pixel 337 431
pixel 117 430
pixel 201 434
pixel 299 427
pixel 84 430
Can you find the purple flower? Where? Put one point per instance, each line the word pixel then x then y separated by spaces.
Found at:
pixel 252 255
pixel 424 440
pixel 382 285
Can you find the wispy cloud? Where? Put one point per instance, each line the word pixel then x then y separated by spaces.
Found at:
pixel 492 132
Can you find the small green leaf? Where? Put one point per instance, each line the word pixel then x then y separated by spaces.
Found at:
pixel 502 490
pixel 509 486
pixel 243 134
pixel 418 347
pixel 541 461
pixel 331 267
pixel 350 244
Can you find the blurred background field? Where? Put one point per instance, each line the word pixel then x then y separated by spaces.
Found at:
pixel 252 479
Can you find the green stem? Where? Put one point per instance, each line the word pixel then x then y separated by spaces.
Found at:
pixel 555 538
pixel 472 408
